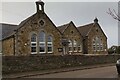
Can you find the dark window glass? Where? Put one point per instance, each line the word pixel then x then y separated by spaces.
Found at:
pixel 42 37
pixel 33 49
pixel 33 38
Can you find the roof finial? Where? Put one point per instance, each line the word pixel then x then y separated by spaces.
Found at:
pixel 95 20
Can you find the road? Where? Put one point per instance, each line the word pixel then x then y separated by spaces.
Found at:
pixel 102 72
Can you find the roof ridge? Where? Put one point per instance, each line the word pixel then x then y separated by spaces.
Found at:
pixel 8 24
pixel 85 25
pixel 64 24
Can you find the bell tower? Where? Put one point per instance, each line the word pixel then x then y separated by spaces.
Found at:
pixel 41 3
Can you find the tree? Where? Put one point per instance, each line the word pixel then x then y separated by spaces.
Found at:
pixel 114 14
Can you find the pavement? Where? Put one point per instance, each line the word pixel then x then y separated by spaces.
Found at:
pixel 35 73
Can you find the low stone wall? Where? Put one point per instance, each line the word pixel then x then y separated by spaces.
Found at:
pixel 14 64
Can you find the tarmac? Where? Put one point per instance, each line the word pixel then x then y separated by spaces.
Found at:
pixel 53 71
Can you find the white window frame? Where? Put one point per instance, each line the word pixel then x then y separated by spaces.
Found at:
pixel 44 47
pixel 51 44
pixel 42 42
pixel 79 46
pixel 34 45
pixel 98 46
pixel 70 46
pixel 75 46
pixel 101 47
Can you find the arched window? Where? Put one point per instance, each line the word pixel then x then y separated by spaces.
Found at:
pixel 70 46
pixel 75 45
pixel 33 44
pixel 42 42
pixel 97 44
pixel 50 44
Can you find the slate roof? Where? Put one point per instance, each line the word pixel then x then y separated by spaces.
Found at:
pixel 63 27
pixel 84 30
pixel 7 29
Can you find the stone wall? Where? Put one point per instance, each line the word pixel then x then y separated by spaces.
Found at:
pixel 71 33
pixel 8 47
pixel 46 62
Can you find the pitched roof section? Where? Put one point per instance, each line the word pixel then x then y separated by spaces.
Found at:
pixel 63 27
pixel 84 30
pixel 7 29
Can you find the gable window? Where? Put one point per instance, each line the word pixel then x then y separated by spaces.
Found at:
pixel 50 44
pixel 70 46
pixel 33 44
pixel 42 22
pixel 75 45
pixel 42 42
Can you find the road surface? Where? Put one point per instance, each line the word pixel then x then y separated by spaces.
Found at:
pixel 102 72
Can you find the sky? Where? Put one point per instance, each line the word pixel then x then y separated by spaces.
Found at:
pixel 80 13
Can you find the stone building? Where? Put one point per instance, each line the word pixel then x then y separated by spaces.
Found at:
pixel 39 35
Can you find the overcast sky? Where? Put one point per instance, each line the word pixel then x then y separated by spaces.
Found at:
pixel 80 13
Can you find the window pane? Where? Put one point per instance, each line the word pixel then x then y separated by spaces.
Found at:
pixel 70 48
pixel 33 38
pixel 42 49
pixel 98 47
pixel 49 39
pixel 42 37
pixel 101 47
pixel 49 43
pixel 79 48
pixel 33 49
pixel 33 44
pixel 75 48
pixel 70 45
pixel 94 48
pixel 42 42
pixel 49 49
pixel 75 45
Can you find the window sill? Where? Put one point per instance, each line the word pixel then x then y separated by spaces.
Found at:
pixel 34 53
pixel 42 52
pixel 75 51
pixel 50 52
